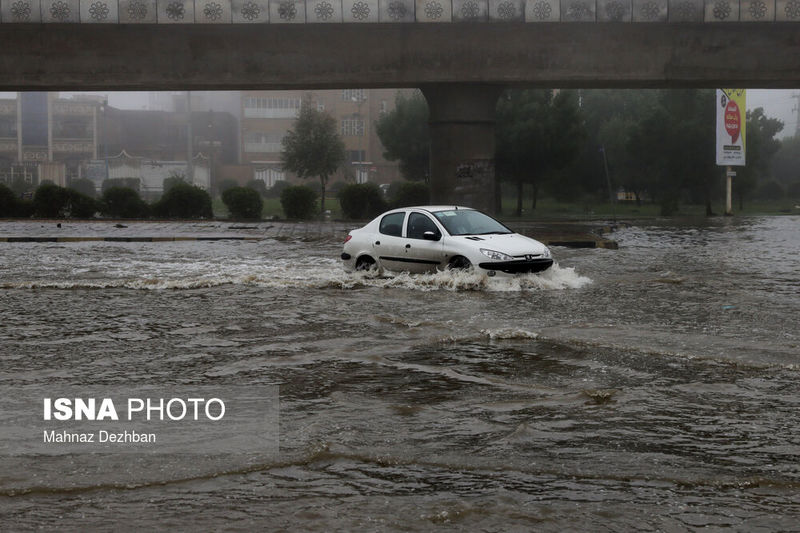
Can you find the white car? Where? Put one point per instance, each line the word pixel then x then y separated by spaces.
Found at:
pixel 430 238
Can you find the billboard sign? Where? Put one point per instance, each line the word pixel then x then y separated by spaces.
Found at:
pixel 731 122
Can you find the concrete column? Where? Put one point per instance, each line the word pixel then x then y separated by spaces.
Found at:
pixel 19 128
pixel 462 144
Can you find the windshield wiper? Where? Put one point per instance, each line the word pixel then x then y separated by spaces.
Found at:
pixel 494 233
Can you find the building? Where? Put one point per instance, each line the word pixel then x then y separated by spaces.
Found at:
pixel 267 116
pixel 43 137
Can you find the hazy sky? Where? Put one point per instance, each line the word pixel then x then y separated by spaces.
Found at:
pixel 776 103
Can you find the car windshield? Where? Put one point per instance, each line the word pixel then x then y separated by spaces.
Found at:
pixel 470 222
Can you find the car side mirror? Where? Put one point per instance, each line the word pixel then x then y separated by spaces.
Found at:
pixel 431 236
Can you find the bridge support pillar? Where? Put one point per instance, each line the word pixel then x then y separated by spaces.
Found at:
pixel 462 144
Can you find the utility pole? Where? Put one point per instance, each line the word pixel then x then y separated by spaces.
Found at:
pixel 189 162
pixel 797 108
pixel 359 98
pixel 608 182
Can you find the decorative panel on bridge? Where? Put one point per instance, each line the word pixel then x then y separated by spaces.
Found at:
pixel 394 11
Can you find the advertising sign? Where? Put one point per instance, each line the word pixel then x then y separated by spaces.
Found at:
pixel 731 122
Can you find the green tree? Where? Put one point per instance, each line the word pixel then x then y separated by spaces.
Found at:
pixel 361 201
pixel 613 121
pixel 81 205
pixel 786 163
pixel 259 186
pixel 8 202
pixel 184 201
pixel 298 201
pixel 50 201
pixel 84 186
pixel 409 193
pixel 276 190
pixel 243 202
pixel 21 186
pixel 313 147
pixel 761 148
pixel 405 136
pixel 226 184
pixel 123 202
pixel 131 183
pixel 537 133
pixel 173 179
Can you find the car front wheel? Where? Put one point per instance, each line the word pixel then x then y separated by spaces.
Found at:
pixel 459 262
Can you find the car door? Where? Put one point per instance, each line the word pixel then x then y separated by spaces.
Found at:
pixel 389 244
pixel 421 254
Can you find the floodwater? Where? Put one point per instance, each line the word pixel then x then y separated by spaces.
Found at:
pixel 654 387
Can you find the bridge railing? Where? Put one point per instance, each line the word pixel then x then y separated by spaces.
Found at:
pixel 394 11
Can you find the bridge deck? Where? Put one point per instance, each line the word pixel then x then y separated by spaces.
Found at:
pixel 392 11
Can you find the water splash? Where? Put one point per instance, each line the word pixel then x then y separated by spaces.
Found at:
pixel 320 274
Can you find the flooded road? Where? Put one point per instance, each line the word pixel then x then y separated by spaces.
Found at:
pixel 654 387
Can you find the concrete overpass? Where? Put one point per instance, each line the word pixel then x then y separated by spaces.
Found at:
pixel 462 53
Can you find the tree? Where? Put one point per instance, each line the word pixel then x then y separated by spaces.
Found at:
pixel 226 184
pixel 537 133
pixel 786 163
pixel 405 194
pixel 313 148
pixel 81 205
pixel 131 183
pixel 259 186
pixel 21 186
pixel 243 202
pixel 184 201
pixel 50 201
pixel 84 186
pixel 276 190
pixel 173 179
pixel 298 201
pixel 761 147
pixel 8 202
pixel 404 133
pixel 123 202
pixel 361 201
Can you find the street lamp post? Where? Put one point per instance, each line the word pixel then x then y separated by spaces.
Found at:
pixel 359 101
pixel 104 109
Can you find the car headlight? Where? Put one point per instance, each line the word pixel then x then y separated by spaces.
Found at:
pixel 497 256
pixel 546 252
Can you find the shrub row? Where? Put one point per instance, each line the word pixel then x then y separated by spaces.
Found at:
pixel 366 200
pixel 51 201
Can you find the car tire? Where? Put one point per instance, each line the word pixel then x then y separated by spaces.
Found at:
pixel 459 262
pixel 365 262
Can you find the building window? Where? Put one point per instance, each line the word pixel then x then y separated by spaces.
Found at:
pixel 354 156
pixel 257 142
pixel 270 176
pixel 271 107
pixel 352 127
pixel 384 107
pixel 354 95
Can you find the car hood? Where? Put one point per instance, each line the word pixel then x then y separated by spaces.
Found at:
pixel 512 244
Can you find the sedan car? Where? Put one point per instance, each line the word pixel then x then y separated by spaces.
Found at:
pixel 430 238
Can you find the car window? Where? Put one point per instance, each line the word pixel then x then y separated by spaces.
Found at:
pixel 418 224
pixel 393 224
pixel 470 222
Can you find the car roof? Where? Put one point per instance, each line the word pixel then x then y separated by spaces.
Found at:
pixel 435 208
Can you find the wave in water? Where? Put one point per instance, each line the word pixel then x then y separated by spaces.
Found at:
pixel 322 277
